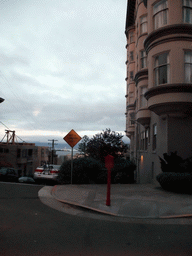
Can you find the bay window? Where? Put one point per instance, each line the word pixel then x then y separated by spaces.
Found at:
pixel 143 59
pixel 154 137
pixel 147 136
pixel 143 101
pixel 131 37
pixel 187 11
pixel 188 67
pixel 143 25
pixel 161 70
pixel 160 13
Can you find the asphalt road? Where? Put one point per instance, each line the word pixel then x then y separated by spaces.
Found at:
pixel 28 227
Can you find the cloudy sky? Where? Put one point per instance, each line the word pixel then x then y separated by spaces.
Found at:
pixel 62 67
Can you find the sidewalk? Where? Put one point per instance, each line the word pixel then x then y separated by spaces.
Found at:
pixel 127 200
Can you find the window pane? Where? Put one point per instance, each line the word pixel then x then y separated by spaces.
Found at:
pixel 187 73
pixel 157 61
pixel 187 57
pixel 160 14
pixel 162 59
pixel 188 67
pixel 156 77
pixel 187 3
pixel 163 75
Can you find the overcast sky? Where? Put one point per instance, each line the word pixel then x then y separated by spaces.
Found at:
pixel 62 67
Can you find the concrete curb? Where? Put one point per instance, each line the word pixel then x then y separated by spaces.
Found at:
pixel 80 205
pixel 72 203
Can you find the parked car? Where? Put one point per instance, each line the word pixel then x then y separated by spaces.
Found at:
pixel 8 174
pixel 47 173
pixel 26 180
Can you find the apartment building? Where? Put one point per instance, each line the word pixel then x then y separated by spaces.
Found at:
pixel 158 82
pixel 24 157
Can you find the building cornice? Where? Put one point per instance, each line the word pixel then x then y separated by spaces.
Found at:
pixel 130 14
pixel 169 88
pixel 167 31
pixel 131 106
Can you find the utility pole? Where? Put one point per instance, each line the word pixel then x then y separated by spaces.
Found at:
pixel 52 149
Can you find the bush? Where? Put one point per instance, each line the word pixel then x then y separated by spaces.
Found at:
pixel 85 171
pixel 177 182
pixel 90 171
pixel 123 171
pixel 174 162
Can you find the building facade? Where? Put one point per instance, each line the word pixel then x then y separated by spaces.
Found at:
pixel 158 82
pixel 24 157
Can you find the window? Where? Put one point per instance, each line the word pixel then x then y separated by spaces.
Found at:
pixel 147 135
pixel 30 152
pixel 24 153
pixel 143 101
pixel 143 59
pixel 18 153
pixel 137 61
pixel 161 71
pixel 142 140
pixel 131 56
pixel 131 76
pixel 131 37
pixel 138 136
pixel 131 98
pixel 143 25
pixel 132 118
pixel 187 11
pixel 188 67
pixel 160 12
pixel 154 136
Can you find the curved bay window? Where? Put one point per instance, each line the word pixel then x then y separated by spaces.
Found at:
pixel 188 67
pixel 160 13
pixel 187 11
pixel 143 59
pixel 143 24
pixel 161 69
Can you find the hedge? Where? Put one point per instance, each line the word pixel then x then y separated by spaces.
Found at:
pixel 90 171
pixel 177 182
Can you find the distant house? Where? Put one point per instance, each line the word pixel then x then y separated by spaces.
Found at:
pixel 24 157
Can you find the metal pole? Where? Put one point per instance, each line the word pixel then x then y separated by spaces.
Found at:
pixel 71 165
pixel 108 201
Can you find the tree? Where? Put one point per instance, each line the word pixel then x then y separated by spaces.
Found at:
pixel 105 143
pixel 83 145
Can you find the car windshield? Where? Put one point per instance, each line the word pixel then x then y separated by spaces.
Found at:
pixel 3 171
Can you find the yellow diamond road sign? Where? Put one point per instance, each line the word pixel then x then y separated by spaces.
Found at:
pixel 72 138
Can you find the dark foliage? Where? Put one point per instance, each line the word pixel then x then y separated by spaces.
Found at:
pixel 85 171
pixel 90 171
pixel 175 163
pixel 106 143
pixel 123 171
pixel 82 146
pixel 176 182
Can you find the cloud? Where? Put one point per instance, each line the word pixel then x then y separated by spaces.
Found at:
pixel 62 66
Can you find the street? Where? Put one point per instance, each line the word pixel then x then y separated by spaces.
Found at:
pixel 28 227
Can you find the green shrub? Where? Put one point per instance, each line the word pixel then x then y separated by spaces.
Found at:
pixel 174 162
pixel 177 182
pixel 123 171
pixel 85 171
pixel 90 171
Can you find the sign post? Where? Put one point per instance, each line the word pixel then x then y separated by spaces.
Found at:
pixel 72 138
pixel 109 163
